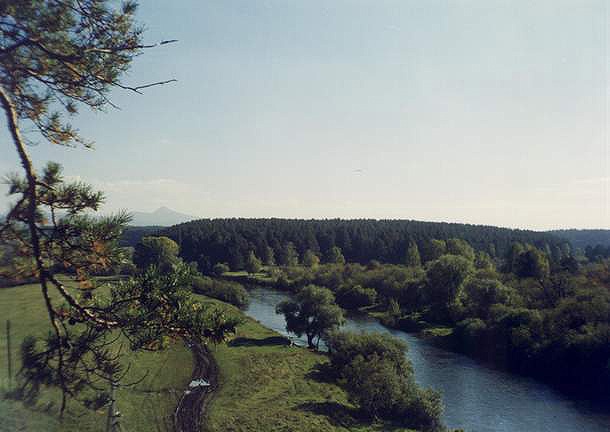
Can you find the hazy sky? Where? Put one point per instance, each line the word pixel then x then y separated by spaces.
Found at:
pixel 492 112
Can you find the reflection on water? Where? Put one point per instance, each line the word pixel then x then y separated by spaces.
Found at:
pixel 477 398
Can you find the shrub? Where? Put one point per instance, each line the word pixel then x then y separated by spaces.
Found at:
pixel 379 378
pixel 230 292
pixel 220 268
pixel 355 297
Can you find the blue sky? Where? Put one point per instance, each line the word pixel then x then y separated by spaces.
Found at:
pixel 492 112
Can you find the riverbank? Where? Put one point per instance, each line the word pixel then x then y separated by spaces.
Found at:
pixel 476 397
pixel 519 340
pixel 266 384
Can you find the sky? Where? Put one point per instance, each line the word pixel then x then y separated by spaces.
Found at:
pixel 485 112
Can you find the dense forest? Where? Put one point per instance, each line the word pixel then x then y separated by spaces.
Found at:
pixel 209 241
pixel 581 238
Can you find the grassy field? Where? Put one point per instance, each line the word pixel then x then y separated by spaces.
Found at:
pixel 266 385
pixel 145 407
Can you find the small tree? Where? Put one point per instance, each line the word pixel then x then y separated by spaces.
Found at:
pixel 335 256
pixel 253 264
pixel 220 268
pixel 159 251
pixel 289 256
pixel 413 257
pixel 312 312
pixel 310 259
pixel 268 256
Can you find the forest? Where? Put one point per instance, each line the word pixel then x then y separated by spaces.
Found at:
pixel 209 241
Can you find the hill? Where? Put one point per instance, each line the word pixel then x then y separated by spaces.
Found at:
pixel 581 238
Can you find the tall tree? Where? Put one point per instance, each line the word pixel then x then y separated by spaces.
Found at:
pixel 268 256
pixel 312 312
pixel 445 283
pixel 289 255
pixel 56 57
pixel 253 264
pixel 159 251
pixel 413 257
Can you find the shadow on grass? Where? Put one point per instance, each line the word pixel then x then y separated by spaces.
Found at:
pixel 337 414
pixel 268 341
pixel 322 372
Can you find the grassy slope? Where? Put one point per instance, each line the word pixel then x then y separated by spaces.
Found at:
pixel 144 407
pixel 265 385
pixel 268 386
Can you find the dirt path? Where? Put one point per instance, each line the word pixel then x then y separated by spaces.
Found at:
pixel 191 406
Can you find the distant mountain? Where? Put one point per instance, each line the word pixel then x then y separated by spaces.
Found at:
pixel 160 217
pixel 581 238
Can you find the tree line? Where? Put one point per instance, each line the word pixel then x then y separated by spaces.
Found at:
pixel 287 241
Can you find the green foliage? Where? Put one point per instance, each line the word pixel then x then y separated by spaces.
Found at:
pixel 55 58
pixel 512 257
pixel 143 406
pixel 532 263
pixel 310 259
pixel 156 251
pixel 230 292
pixel 220 268
pixel 268 385
pixel 445 283
pixel 433 249
pixel 483 261
pixel 147 310
pixel 288 255
pixel 378 377
pixel 313 312
pixel 387 241
pixel 413 257
pixel 460 247
pixel 343 347
pixel 481 294
pixel 268 256
pixel 253 264
pixel 355 297
pixel 335 256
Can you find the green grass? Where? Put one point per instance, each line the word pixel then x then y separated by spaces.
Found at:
pixel 145 407
pixel 266 385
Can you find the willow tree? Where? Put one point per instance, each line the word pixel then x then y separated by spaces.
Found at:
pixel 56 57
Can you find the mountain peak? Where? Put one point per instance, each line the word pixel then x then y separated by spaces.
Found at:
pixel 163 216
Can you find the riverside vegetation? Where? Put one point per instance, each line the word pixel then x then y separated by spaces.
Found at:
pixel 538 307
pixel 324 392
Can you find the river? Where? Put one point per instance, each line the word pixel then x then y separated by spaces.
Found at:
pixel 477 398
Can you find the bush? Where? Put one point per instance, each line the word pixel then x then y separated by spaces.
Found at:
pixel 379 378
pixel 220 268
pixel 230 292
pixel 355 297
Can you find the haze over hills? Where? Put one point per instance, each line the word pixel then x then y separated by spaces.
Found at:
pixel 163 216
pixel 582 238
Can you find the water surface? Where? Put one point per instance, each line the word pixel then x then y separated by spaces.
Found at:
pixel 477 398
